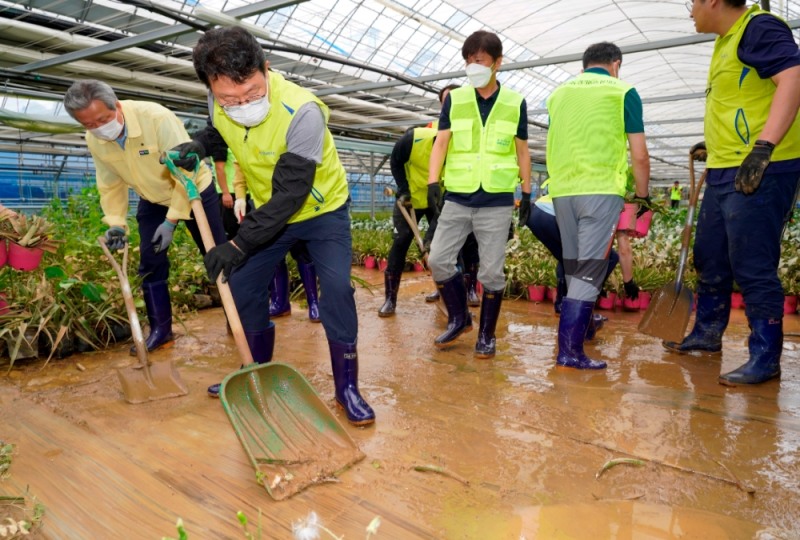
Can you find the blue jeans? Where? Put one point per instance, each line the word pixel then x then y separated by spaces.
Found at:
pixel 154 267
pixel 329 244
pixel 739 238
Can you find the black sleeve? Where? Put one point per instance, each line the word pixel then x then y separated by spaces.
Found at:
pixel 291 185
pixel 401 153
pixel 213 143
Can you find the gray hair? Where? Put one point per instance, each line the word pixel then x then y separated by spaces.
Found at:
pixel 81 94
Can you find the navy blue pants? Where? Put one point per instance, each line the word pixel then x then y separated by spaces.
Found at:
pixel 739 238
pixel 329 244
pixel 154 267
pixel 545 228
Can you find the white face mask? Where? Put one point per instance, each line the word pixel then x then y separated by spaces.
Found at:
pixel 478 75
pixel 109 131
pixel 250 114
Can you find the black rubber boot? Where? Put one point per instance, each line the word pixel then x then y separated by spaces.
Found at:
pixel 459 320
pixel 490 311
pixel 279 304
pixel 308 275
pixel 765 344
pixel 575 319
pixel 596 322
pixel 261 344
pixel 391 284
pixel 471 284
pixel 711 320
pixel 344 362
pixel 159 315
pixel 433 297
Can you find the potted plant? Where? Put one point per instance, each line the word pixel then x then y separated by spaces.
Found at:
pixel 28 238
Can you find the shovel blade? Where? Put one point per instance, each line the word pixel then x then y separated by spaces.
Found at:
pixel 160 380
pixel 667 316
pixel 291 438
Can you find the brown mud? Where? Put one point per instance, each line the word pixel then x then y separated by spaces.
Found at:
pixel 462 448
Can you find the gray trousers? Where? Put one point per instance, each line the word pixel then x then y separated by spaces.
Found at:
pixel 587 224
pixel 490 226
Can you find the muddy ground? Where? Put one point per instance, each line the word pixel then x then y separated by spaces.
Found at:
pixel 529 439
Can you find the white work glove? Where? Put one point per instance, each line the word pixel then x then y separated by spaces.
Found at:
pixel 239 208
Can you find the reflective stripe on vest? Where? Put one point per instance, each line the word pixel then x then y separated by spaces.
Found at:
pixel 738 103
pixel 257 151
pixel 482 155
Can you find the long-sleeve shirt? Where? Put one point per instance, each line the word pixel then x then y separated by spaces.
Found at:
pixel 150 129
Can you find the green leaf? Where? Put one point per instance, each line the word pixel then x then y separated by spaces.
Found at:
pixel 67 283
pixel 54 272
pixel 92 292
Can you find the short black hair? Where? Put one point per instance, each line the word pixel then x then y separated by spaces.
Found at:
pixel 230 52
pixel 602 54
pixel 482 41
pixel 451 86
pixel 735 3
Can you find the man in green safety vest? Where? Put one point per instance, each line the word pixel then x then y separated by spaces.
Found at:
pixel 675 195
pixel 593 119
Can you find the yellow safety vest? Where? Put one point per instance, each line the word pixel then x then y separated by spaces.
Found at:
pixel 482 155
pixel 418 164
pixel 738 103
pixel 257 151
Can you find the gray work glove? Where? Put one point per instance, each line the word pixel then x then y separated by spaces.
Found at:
pixel 115 238
pixel 163 236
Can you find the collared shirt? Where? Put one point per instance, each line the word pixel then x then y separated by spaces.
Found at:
pixel 150 130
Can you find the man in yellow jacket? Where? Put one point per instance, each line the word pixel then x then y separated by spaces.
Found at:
pixel 279 135
pixel 126 140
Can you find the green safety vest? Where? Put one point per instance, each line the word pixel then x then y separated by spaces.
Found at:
pixel 230 172
pixel 418 164
pixel 258 150
pixel 482 156
pixel 587 150
pixel 738 103
pixel 675 194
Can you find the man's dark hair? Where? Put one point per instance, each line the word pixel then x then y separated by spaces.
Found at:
pixel 601 54
pixel 231 52
pixel 451 87
pixel 482 41
pixel 735 3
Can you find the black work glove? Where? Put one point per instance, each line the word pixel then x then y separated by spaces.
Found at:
pixel 163 236
pixel 644 205
pixel 750 172
pixel 115 238
pixel 223 258
pixel 699 152
pixel 524 209
pixel 434 197
pixel 631 289
pixel 405 198
pixel 185 161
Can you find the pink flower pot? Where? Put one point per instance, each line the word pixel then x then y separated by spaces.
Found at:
pixel 789 305
pixel 607 302
pixel 23 258
pixel 644 299
pixel 636 227
pixel 382 264
pixel 3 252
pixel 552 292
pixel 419 267
pixel 369 262
pixel 537 293
pixel 479 288
pixel 737 302
pixel 632 305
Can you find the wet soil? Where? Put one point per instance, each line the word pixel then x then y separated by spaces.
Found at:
pixel 523 441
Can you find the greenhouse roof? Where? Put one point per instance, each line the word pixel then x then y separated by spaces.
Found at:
pixel 378 64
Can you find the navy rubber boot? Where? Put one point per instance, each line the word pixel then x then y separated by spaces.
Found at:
pixel 459 320
pixel 279 304
pixel 159 315
pixel 490 311
pixel 596 322
pixel 391 285
pixel 471 284
pixel 575 319
pixel 344 362
pixel 308 275
pixel 261 344
pixel 765 344
pixel 561 292
pixel 711 320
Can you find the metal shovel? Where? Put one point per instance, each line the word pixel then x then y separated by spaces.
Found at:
pixel 147 381
pixel 667 316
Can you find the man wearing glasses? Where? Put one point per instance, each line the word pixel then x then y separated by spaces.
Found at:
pixel 278 133
pixel 752 137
